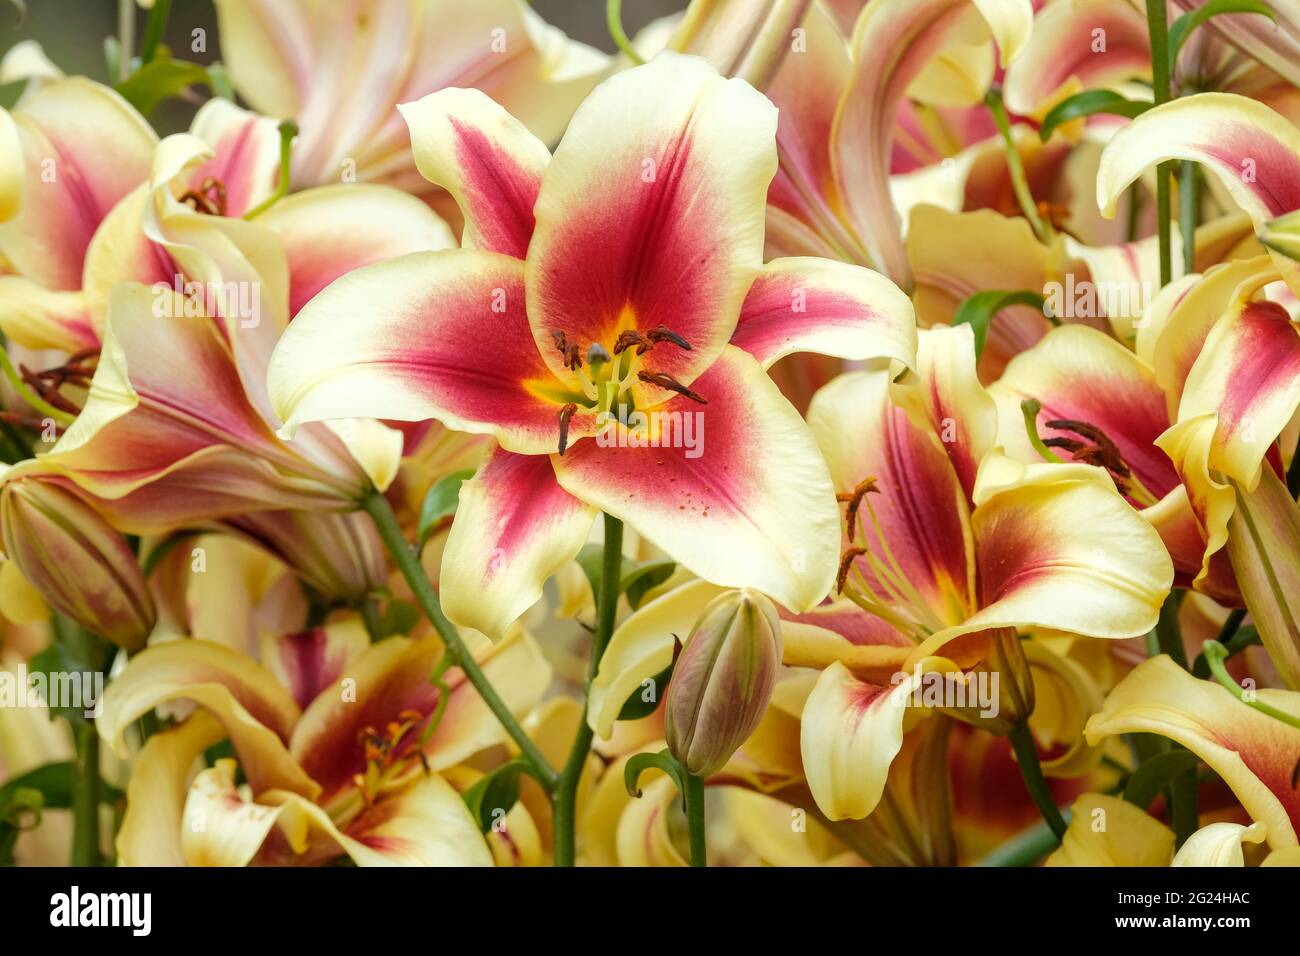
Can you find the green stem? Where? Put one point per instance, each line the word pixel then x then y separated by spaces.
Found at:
pixel 288 130
pixel 125 37
pixel 694 796
pixel 566 791
pixel 85 797
pixel 153 30
pixel 1158 28
pixel 390 532
pixel 1019 182
pixel 1030 408
pixel 1188 213
pixel 1031 771
pixel 1215 655
pixel 614 20
pixel 1027 847
pixel 1134 213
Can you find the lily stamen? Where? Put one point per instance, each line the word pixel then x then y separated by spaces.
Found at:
pixel 664 380
pixel 566 413
pixel 209 199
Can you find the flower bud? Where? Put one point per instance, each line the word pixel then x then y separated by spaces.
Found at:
pixel 723 680
pixel 82 567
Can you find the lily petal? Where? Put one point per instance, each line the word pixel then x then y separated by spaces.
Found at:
pixel 819 305
pixel 151 830
pixel 428 335
pixel 1218 844
pixel 910 34
pixel 1108 831
pixel 488 160
pixel 366 223
pixel 310 661
pixel 651 214
pixel 850 733
pixel 514 528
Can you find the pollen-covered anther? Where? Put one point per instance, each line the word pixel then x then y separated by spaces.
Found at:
pixel 854 498
pixel 629 338
pixel 846 563
pixel 1102 452
pixel 209 199
pixel 662 333
pixel 569 350
pixel 566 413
pixel 664 380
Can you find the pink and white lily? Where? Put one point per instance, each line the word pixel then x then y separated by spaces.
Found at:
pixel 610 297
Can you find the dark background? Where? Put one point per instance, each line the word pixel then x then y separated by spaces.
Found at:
pixel 73 31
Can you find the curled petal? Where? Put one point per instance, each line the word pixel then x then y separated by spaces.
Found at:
pixel 1254 753
pixel 1218 844
pixel 256 712
pixel 819 305
pixel 151 830
pixel 488 160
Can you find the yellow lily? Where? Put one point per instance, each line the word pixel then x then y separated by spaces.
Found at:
pixel 329 732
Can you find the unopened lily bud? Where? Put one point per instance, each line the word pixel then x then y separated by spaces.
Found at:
pixel 82 567
pixel 1264 546
pixel 748 40
pixel 723 680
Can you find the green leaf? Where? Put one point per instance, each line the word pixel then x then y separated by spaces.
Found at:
pixel 979 309
pixel 54 782
pixel 663 760
pixel 637 707
pixel 644 578
pixel 160 80
pixel 72 654
pixel 492 797
pixel 1155 773
pixel 1086 104
pixel 1182 28
pixel 440 502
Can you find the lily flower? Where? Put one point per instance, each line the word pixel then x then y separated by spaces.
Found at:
pixel 338 69
pixel 333 736
pixel 219 291
pixel 613 297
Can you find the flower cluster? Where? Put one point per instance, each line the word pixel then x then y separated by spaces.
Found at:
pixel 823 432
